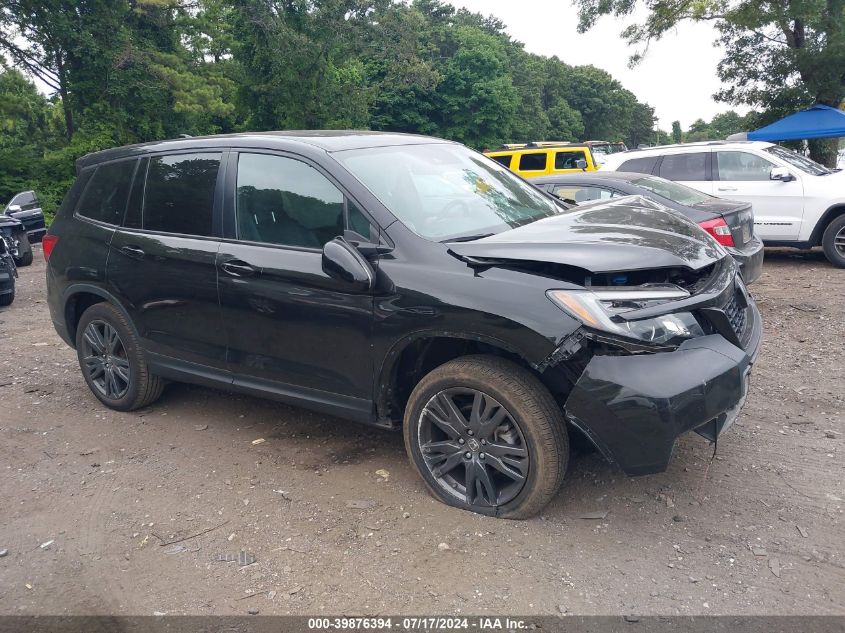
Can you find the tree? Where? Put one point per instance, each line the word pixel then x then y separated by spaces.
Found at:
pixel 677 135
pixel 780 56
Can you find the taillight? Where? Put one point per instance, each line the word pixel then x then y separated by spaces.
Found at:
pixel 48 243
pixel 720 230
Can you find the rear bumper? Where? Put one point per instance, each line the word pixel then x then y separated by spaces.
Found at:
pixel 750 259
pixel 635 407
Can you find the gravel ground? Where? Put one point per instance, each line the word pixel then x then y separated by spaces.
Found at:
pixel 113 513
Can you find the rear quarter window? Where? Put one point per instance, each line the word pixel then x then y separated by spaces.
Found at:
pixel 692 167
pixel 640 165
pixel 104 199
pixel 503 160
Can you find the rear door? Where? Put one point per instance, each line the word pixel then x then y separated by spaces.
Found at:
pixel 293 329
pixel 693 169
pixel 162 262
pixel 778 206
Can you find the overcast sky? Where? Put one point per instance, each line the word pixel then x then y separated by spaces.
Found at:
pixel 677 77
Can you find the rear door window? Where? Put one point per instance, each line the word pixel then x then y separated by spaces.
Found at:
pixel 643 165
pixel 104 199
pixel 179 194
pixel 690 167
pixel 285 201
pixel 533 162
pixel 742 166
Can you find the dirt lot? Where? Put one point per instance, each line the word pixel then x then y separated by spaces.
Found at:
pixel 761 531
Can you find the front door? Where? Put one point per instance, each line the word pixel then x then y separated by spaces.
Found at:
pixel 778 206
pixel 162 262
pixel 291 328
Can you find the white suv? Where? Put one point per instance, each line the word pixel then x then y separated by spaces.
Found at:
pixel 796 201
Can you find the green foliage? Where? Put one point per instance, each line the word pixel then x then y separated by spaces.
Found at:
pixel 677 134
pixel 127 71
pixel 719 128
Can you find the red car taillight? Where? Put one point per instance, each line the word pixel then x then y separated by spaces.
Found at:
pixel 48 243
pixel 720 230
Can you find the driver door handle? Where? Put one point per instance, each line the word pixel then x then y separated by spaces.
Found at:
pixel 726 189
pixel 134 252
pixel 238 268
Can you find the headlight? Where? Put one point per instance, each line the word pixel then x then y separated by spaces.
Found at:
pixel 600 308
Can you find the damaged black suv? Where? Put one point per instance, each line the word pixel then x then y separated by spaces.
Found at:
pixel 405 281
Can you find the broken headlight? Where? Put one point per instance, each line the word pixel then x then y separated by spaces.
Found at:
pixel 601 309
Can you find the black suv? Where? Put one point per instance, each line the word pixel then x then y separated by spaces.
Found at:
pixel 406 281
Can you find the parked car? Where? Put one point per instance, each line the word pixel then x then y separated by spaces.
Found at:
pixel 531 160
pixel 400 280
pixel 729 222
pixel 17 240
pixel 26 208
pixel 796 201
pixel 8 273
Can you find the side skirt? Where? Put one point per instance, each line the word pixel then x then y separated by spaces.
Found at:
pixel 356 409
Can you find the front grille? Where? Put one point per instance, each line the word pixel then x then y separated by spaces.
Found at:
pixel 736 313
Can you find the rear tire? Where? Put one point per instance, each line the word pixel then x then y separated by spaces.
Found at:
pixel 500 448
pixel 7 299
pixel 833 242
pixel 26 251
pixel 112 361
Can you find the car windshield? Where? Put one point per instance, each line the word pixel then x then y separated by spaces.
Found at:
pixel 796 160
pixel 444 192
pixel 674 191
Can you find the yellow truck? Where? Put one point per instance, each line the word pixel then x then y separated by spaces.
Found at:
pixel 531 160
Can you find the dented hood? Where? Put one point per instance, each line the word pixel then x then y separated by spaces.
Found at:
pixel 630 233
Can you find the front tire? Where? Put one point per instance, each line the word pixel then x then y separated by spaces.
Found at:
pixel 486 436
pixel 833 242
pixel 112 362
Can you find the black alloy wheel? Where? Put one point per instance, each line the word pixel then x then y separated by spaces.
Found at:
pixel 473 447
pixel 105 360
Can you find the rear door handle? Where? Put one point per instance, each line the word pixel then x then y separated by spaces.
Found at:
pixel 132 251
pixel 238 268
pixel 727 189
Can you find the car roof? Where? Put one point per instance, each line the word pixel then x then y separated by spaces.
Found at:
pixel 591 176
pixel 660 149
pixel 326 140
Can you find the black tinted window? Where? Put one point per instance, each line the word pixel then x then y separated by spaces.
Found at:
pixel 532 162
pixel 179 196
pixel 640 165
pixel 284 201
pixel 684 166
pixel 569 160
pixel 503 160
pixel 105 196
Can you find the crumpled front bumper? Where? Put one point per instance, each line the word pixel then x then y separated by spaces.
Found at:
pixel 634 407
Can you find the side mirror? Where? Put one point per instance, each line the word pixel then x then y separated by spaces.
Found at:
pixel 581 164
pixel 13 208
pixel 343 262
pixel 781 173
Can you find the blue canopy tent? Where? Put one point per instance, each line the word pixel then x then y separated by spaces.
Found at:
pixel 820 121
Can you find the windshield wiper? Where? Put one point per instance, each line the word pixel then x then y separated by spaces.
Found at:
pixel 467 238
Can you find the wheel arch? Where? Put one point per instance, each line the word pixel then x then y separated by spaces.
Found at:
pixel 79 297
pixel 828 216
pixel 413 356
